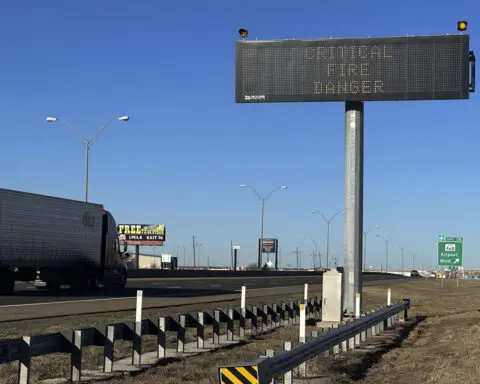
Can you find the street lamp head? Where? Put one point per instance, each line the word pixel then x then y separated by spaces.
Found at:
pixel 284 187
pixel 123 118
pixel 314 211
pixel 243 185
pixel 51 119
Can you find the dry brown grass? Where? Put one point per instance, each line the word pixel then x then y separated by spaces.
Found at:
pixel 441 349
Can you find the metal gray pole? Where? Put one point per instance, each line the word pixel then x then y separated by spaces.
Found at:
pixel 353 204
pixel 87 150
pixel 402 262
pixel 364 250
pixel 328 239
pixel 194 256
pixel 261 236
pixel 386 256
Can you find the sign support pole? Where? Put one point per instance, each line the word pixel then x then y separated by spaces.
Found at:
pixel 353 200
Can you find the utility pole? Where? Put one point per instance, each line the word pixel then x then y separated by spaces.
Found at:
pixel 231 252
pixel 194 257
pixel 314 255
pixel 299 261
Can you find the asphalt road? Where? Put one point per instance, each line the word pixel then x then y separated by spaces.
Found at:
pixel 27 294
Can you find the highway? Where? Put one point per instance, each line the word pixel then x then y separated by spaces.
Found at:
pixel 170 287
pixel 30 303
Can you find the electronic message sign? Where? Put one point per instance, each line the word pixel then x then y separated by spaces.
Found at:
pixel 357 69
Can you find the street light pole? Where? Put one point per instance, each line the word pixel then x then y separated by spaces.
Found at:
pixel 365 246
pixel 387 240
pixel 328 221
pixel 402 249
pixel 87 142
pixel 262 200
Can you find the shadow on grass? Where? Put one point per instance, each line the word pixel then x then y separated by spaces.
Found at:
pixel 357 371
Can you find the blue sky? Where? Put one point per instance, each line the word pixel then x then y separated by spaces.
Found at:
pixel 188 146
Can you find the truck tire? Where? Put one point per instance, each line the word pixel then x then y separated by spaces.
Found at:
pixel 123 280
pixel 7 281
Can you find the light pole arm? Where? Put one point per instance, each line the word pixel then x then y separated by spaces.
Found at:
pixel 80 137
pixel 271 192
pixel 102 128
pixel 255 192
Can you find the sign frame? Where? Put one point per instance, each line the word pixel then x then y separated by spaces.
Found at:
pixel 144 234
pixel 462 93
pixel 452 257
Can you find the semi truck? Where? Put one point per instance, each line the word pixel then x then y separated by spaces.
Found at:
pixel 60 241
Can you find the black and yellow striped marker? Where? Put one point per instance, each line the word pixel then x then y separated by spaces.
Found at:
pixel 239 375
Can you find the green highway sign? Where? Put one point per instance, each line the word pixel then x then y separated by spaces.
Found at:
pixel 450 251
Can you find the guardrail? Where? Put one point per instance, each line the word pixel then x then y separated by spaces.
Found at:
pixel 72 342
pixel 266 370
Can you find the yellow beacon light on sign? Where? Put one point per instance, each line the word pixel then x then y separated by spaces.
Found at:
pixel 462 26
pixel 243 32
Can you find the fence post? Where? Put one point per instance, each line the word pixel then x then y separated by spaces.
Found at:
pixel 290 313
pixel 162 338
pixel 181 334
pixel 275 322
pixel 287 376
pixel 25 361
pixel 109 348
pixel 389 297
pixel 76 359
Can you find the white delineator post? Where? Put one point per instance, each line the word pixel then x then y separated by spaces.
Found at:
pixel 138 313
pixel 302 368
pixel 357 306
pixel 302 323
pixel 243 299
pixel 305 293
pixel 389 297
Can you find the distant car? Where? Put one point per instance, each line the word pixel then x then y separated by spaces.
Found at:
pixel 340 269
pixel 415 273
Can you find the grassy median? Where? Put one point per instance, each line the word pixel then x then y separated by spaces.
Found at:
pixel 442 347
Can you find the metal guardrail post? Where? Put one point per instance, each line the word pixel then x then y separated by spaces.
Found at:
pixel 200 330
pixel 109 349
pixel 137 343
pixel 287 376
pixel 336 348
pixel 25 362
pixel 162 338
pixel 181 334
pixel 216 327
pixel 241 326
pixel 254 320
pixel 230 324
pixel 76 357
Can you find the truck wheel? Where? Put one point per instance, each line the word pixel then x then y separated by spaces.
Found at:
pixel 123 280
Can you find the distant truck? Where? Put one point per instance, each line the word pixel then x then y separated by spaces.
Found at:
pixel 60 241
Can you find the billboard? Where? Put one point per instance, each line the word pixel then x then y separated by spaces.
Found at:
pixel 356 69
pixel 141 234
pixel 270 245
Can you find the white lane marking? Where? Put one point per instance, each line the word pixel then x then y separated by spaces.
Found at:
pixel 174 287
pixel 65 302
pixel 215 285
pixel 159 283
